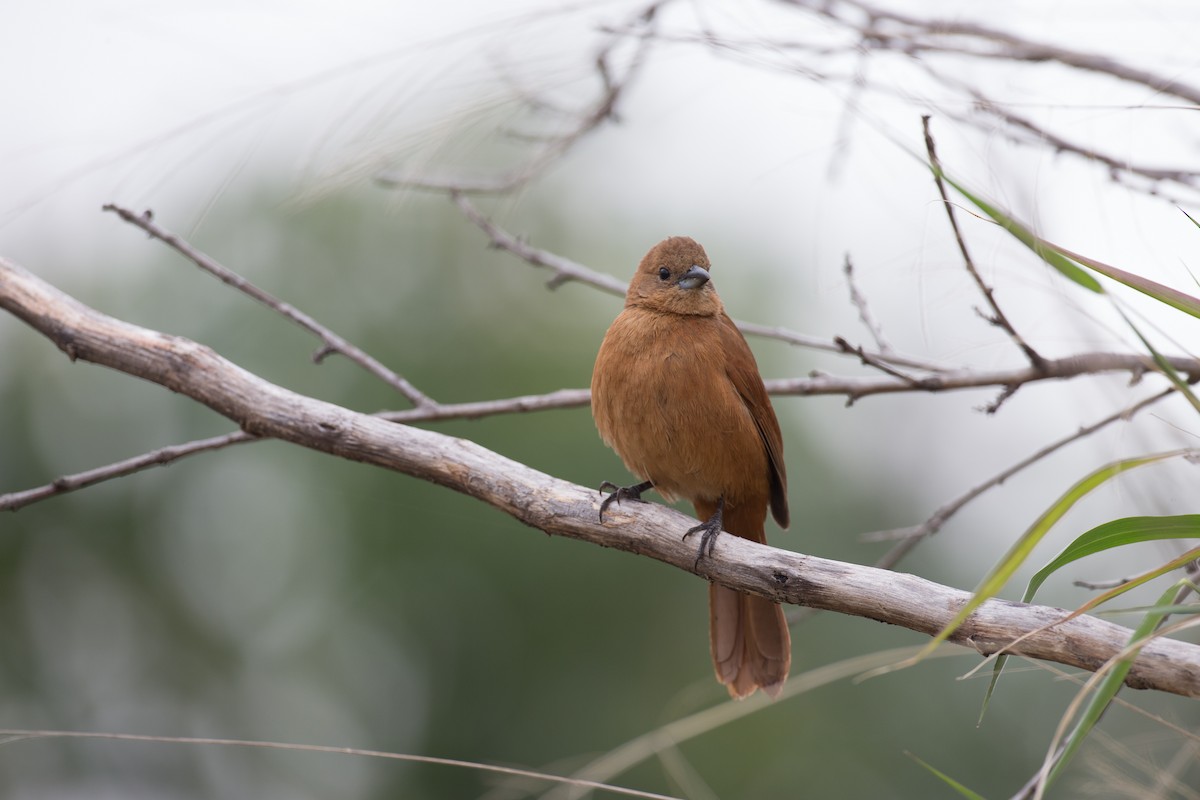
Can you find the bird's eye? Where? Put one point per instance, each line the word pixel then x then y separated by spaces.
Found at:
pixel 663 273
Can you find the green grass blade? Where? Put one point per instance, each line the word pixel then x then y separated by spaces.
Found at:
pixel 1173 610
pixel 1044 251
pixel 1163 364
pixel 1067 261
pixel 1108 688
pixel 953 784
pixel 1164 294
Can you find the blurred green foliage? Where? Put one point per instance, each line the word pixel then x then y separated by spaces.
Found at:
pixel 264 592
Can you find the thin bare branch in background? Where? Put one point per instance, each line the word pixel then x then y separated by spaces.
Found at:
pixel 864 312
pixel 997 317
pixel 330 341
pixel 911 536
pixel 1053 369
pixel 564 269
pixel 155 458
pixel 1116 166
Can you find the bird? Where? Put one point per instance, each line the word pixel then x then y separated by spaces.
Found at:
pixel 677 393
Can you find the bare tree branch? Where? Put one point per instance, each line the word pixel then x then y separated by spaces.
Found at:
pixel 561 508
pixel 1053 369
pixel 1116 166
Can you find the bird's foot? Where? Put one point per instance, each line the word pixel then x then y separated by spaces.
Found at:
pixel 620 493
pixel 708 530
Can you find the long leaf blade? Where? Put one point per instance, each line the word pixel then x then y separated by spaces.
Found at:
pixel 1108 688
pixel 1163 364
pixel 1117 533
pixel 1164 294
pixel 1049 254
pixel 953 784
pixel 1067 261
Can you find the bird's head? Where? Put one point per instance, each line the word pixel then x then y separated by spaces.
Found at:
pixel 673 278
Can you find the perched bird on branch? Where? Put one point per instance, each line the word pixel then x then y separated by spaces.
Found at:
pixel 677 394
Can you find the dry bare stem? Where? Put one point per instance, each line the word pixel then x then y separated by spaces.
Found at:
pixel 330 341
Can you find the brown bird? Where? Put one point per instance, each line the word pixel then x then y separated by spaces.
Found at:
pixel 677 394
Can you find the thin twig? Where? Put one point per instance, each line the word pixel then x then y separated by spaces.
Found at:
pixel 912 381
pixel 330 341
pixel 910 537
pixel 1096 586
pixel 997 317
pixel 1060 368
pixel 1186 177
pixel 852 388
pixel 864 312
pixel 563 398
pixel 565 270
pixel 155 458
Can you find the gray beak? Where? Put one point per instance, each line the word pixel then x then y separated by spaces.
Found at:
pixel 694 278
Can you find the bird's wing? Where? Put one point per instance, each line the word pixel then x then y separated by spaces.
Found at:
pixel 743 374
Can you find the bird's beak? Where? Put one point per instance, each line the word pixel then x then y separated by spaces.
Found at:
pixel 694 278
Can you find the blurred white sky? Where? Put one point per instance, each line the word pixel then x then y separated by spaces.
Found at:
pixel 166 106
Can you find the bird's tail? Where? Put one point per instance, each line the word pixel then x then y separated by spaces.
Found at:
pixel 751 647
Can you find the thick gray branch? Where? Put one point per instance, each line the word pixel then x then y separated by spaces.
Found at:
pixel 565 509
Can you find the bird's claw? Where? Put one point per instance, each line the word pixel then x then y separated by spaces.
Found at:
pixel 620 493
pixel 708 530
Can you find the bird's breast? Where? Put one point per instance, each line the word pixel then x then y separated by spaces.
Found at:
pixel 662 399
